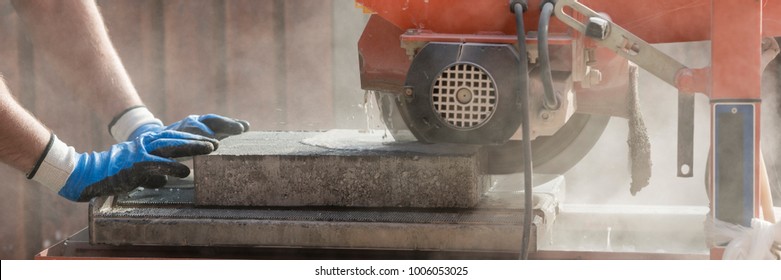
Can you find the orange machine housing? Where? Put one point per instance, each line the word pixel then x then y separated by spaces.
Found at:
pixel 659 21
pixel 734 27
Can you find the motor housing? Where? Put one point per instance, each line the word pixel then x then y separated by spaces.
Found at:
pixel 462 93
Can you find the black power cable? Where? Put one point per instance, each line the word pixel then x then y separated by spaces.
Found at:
pixel 551 101
pixel 519 7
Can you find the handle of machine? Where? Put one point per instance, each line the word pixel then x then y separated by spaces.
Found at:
pixel 612 36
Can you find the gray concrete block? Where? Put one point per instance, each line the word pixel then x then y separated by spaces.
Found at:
pixel 337 168
pixel 477 229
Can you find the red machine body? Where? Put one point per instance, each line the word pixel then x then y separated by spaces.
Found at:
pixel 735 28
pixel 660 21
pixel 664 21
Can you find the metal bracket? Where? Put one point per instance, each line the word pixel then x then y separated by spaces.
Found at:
pixel 685 134
pixel 612 36
pixel 607 34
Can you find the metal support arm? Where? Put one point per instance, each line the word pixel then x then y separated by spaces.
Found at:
pixel 612 36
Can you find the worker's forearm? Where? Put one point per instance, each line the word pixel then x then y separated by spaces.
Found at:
pixel 22 137
pixel 72 41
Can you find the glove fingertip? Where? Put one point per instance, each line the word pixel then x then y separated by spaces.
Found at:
pixel 224 127
pixel 244 124
pixel 206 148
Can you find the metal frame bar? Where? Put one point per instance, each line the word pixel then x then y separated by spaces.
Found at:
pixel 736 36
pixel 77 247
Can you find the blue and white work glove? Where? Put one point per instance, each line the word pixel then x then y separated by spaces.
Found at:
pixel 144 161
pixel 138 120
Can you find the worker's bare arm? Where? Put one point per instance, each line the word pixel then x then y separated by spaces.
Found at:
pixel 28 146
pixel 72 39
pixel 22 137
pixel 74 44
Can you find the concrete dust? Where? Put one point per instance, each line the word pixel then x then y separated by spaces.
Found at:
pixel 639 145
pixel 771 126
pixel 628 228
pixel 667 215
pixel 602 176
pixel 378 141
pixel 350 139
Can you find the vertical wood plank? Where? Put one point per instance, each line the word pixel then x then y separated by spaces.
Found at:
pixel 31 201
pixel 135 28
pixel 347 27
pixel 71 119
pixel 308 59
pixel 281 68
pixel 9 64
pixel 12 235
pixel 251 62
pixel 194 70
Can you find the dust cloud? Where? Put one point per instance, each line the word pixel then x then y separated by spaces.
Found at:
pixel 668 213
pixel 603 176
pixel 771 126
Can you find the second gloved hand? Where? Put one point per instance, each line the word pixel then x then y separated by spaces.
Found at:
pixel 125 166
pixel 138 120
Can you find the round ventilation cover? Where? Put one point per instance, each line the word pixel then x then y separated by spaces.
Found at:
pixel 464 96
pixel 462 93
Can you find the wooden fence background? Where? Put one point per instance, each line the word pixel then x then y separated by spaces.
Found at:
pixel 288 64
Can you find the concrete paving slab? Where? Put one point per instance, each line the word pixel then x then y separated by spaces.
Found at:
pixel 337 168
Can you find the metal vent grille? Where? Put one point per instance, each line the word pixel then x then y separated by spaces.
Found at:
pixel 464 96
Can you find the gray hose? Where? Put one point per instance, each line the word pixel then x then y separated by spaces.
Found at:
pixel 526 141
pixel 551 101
